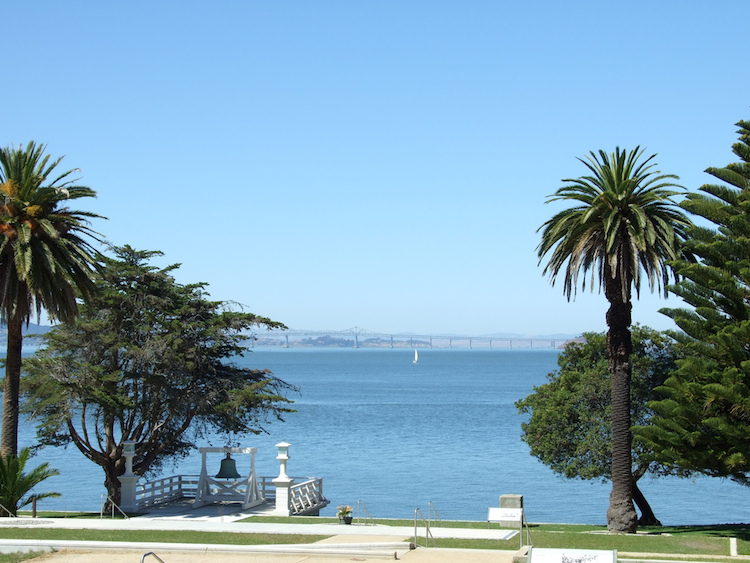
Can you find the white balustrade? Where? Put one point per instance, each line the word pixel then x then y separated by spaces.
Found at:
pixel 305 494
pixel 291 495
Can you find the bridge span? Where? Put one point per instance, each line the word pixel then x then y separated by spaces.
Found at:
pixel 361 338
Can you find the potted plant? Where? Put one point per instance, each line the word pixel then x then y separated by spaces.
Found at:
pixel 344 513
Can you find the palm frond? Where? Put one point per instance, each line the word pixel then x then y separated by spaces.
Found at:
pixel 15 482
pixel 44 247
pixel 627 223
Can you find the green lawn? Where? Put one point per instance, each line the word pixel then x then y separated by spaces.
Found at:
pixel 178 536
pixel 16 557
pixel 687 540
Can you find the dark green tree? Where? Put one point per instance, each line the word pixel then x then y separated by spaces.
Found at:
pixel 45 257
pixel 624 224
pixel 703 423
pixel 570 423
pixel 148 360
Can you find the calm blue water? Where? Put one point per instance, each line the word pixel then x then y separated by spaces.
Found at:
pixel 396 436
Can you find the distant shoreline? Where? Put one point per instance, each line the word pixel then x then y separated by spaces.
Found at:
pixel 460 344
pixel 358 338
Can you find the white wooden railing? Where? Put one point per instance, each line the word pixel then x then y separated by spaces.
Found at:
pixel 267 488
pixel 306 494
pixel 166 489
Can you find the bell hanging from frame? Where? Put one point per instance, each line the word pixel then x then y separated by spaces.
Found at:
pixel 228 469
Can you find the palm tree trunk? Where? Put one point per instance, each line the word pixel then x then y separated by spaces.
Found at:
pixel 621 516
pixel 11 391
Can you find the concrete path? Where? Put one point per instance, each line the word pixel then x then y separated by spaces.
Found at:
pixel 354 542
pixel 342 543
pixel 420 555
pixel 227 524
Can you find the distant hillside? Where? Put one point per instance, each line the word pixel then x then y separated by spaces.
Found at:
pixel 335 340
pixel 31 329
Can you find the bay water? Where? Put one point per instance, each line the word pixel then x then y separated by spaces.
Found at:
pixel 398 435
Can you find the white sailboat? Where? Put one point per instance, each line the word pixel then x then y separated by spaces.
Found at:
pixel 416 356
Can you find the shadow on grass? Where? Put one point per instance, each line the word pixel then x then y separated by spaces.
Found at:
pixel 739 531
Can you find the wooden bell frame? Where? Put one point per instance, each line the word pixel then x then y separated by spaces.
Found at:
pixel 243 490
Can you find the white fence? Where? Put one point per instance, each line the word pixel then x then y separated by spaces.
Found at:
pixel 305 495
pixel 165 490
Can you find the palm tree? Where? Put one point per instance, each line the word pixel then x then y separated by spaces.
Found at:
pixel 14 483
pixel 625 223
pixel 43 257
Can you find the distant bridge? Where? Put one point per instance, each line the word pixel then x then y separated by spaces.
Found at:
pixel 361 338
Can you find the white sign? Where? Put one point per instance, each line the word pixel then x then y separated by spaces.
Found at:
pixel 548 555
pixel 497 514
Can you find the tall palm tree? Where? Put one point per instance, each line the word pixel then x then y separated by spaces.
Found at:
pixel 44 257
pixel 625 224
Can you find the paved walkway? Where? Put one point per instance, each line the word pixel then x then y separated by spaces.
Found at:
pixel 361 542
pixel 355 542
pixel 214 519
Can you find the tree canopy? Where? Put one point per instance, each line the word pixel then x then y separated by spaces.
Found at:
pixel 570 423
pixel 703 422
pixel 152 361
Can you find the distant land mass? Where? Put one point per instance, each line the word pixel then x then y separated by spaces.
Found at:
pixel 363 339
pixel 328 341
pixel 29 330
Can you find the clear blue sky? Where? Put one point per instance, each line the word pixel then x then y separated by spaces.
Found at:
pixel 379 164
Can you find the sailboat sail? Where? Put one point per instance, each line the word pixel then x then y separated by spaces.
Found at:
pixel 416 356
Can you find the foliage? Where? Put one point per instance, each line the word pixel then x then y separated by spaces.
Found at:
pixel 15 483
pixel 45 257
pixel 343 511
pixel 148 360
pixel 570 423
pixel 42 239
pixel 623 222
pixel 703 424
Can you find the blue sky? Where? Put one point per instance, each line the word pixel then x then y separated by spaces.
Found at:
pixel 385 164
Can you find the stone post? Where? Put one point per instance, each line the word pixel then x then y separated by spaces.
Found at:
pixel 511 501
pixel 283 482
pixel 129 480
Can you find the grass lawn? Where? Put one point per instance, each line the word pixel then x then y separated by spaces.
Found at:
pixel 687 540
pixel 15 557
pixel 172 536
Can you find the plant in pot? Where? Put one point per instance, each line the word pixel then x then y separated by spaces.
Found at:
pixel 344 513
